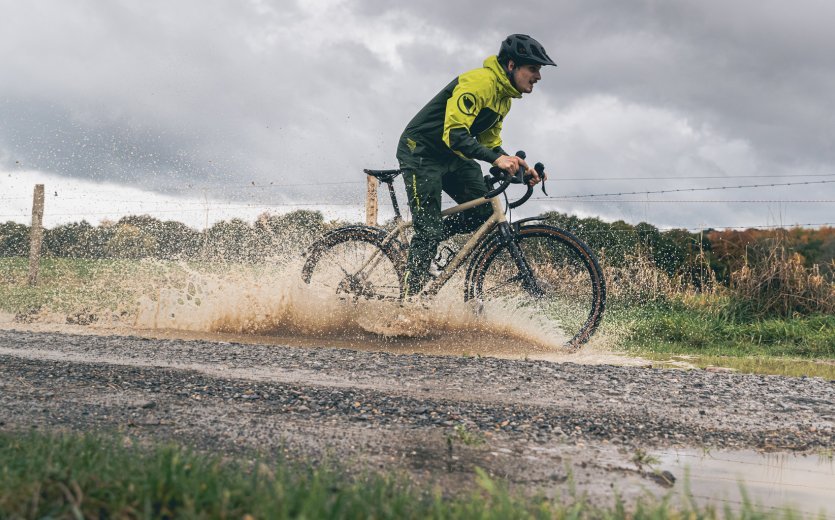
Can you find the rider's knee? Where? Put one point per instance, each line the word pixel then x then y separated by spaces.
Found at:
pixel 430 230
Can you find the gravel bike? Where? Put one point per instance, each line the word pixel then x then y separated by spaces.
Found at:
pixel 526 263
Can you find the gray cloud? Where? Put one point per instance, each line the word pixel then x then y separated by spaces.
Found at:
pixel 171 95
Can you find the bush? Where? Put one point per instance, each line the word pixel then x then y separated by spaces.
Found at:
pixel 131 242
pixel 14 239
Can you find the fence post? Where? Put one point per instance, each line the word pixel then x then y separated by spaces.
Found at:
pixel 36 235
pixel 371 202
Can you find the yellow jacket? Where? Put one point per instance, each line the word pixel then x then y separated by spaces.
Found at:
pixel 465 117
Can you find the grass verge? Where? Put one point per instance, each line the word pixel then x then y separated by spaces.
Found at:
pixel 698 333
pixel 69 476
pixel 686 329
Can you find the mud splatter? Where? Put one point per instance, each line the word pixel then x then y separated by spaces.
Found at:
pixel 269 304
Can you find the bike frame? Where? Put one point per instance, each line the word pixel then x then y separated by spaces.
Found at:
pixel 497 219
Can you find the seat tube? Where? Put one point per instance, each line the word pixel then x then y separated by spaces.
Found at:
pixel 394 203
pixel 509 240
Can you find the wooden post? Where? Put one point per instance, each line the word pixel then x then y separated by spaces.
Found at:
pixel 36 235
pixel 371 202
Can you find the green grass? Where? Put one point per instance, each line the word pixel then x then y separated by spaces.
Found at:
pixel 69 476
pixel 698 332
pixel 684 329
pixel 67 285
pixel 71 286
pixel 750 364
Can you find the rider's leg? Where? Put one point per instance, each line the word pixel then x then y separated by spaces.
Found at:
pixel 424 193
pixel 422 176
pixel 465 182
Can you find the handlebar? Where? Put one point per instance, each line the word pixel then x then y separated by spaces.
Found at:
pixel 520 177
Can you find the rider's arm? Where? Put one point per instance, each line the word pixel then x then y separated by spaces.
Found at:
pixel 499 150
pixel 465 145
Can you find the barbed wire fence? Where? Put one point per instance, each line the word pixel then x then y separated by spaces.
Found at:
pixel 162 208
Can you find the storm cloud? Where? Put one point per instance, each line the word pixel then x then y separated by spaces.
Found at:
pixel 176 97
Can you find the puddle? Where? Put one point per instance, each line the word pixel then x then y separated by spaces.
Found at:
pixel 806 483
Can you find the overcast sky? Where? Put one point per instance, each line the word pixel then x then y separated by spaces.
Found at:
pixel 199 110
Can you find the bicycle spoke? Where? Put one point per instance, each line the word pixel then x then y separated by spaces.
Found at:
pixel 364 269
pixel 569 289
pixel 510 281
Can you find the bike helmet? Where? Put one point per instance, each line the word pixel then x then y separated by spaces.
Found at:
pixel 524 50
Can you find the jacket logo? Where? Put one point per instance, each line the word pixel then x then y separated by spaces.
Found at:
pixel 466 103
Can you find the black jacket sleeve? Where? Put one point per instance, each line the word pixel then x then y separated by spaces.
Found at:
pixel 462 142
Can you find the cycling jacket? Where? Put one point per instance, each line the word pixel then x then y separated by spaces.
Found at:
pixel 465 118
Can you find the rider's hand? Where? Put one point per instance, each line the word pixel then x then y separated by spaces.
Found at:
pixel 534 177
pixel 510 164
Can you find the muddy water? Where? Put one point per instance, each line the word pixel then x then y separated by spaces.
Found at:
pixel 273 306
pixel 805 483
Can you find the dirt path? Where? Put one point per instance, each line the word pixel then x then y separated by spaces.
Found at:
pixel 436 417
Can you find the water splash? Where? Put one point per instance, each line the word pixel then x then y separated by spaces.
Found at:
pixel 275 302
pixel 268 303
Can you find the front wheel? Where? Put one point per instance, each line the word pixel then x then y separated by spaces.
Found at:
pixel 355 263
pixel 567 284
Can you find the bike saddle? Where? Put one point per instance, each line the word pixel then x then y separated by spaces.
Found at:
pixel 384 175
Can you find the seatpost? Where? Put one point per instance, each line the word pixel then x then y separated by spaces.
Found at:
pixel 397 217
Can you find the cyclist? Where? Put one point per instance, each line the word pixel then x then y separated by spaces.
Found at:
pixel 461 124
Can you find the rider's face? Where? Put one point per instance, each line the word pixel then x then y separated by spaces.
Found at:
pixel 524 76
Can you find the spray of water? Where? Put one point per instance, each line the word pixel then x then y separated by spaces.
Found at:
pixel 269 303
pixel 275 303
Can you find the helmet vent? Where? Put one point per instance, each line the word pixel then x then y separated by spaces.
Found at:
pixel 523 49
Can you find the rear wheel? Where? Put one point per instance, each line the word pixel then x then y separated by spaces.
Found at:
pixel 353 263
pixel 571 289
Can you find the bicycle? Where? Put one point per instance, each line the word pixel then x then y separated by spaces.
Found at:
pixel 526 263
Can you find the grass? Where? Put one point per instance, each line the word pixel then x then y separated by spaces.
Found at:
pixel 697 332
pixel 65 285
pixel 69 476
pixel 73 286
pixel 643 458
pixel 775 308
pixel 778 366
pixel 465 436
pixel 679 328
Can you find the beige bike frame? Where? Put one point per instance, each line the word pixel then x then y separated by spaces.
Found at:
pixel 461 256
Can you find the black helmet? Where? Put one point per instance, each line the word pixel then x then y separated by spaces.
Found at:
pixel 524 50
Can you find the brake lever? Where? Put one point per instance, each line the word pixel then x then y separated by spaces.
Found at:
pixel 540 169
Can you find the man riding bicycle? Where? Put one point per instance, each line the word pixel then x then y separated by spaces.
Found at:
pixel 439 147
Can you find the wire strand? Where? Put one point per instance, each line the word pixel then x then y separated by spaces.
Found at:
pixel 680 190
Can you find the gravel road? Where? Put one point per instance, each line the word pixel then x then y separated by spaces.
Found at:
pixel 434 417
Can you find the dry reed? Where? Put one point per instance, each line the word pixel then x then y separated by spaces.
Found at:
pixel 640 281
pixel 780 285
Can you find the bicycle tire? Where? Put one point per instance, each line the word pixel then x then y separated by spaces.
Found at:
pixel 565 269
pixel 332 264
